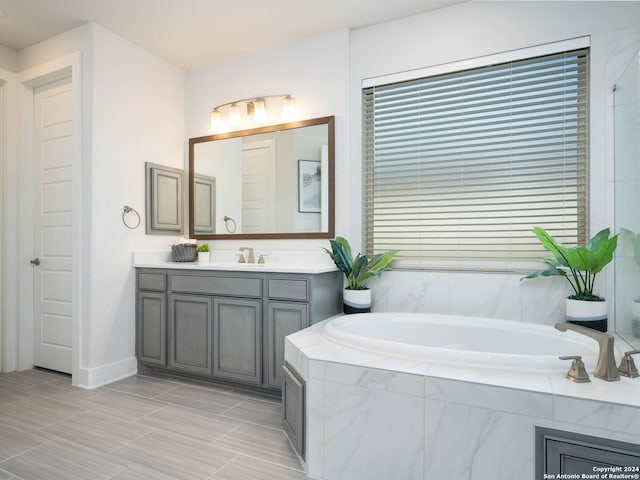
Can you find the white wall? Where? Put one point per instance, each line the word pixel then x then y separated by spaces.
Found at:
pixel 138 117
pixel 133 112
pixel 314 71
pixel 475 29
pixel 8 58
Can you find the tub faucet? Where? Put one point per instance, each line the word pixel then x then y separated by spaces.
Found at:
pixel 606 368
pixel 251 258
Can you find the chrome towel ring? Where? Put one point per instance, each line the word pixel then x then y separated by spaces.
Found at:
pixel 232 228
pixel 127 209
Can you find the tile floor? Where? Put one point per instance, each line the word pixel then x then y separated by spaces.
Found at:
pixel 139 428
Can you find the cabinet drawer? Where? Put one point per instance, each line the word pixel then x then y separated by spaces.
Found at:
pixel 243 287
pixel 288 289
pixel 152 281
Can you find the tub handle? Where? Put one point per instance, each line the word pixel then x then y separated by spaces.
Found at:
pixel 577 373
pixel 627 366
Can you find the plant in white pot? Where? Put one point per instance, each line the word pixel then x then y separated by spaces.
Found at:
pixel 356 296
pixel 579 266
pixel 204 253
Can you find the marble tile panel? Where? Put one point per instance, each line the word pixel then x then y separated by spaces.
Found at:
pixel 265 443
pixel 362 432
pixel 97 431
pixel 379 379
pixel 608 416
pixel 486 295
pixel 248 468
pixel 174 455
pixel 314 424
pixel 471 443
pixel 543 300
pixel 63 460
pixel 201 398
pixel 195 424
pixel 508 400
pixel 255 411
pixel 4 475
pixel 418 292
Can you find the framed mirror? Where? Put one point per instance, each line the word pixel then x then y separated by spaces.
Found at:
pixel 269 182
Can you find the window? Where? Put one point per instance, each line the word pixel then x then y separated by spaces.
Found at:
pixel 460 166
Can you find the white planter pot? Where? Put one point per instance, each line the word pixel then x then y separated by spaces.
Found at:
pixel 204 257
pixel 587 314
pixel 356 301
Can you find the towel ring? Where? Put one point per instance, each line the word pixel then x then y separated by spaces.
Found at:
pixel 226 224
pixel 128 209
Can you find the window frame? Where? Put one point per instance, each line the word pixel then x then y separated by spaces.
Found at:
pixel 467 264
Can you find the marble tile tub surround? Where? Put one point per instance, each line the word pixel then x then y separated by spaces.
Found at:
pixel 370 416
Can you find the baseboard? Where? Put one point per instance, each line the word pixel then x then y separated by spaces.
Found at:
pixel 96 377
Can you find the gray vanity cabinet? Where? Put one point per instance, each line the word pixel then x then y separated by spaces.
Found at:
pixel 227 326
pixel 284 319
pixel 237 337
pixel 151 313
pixel 190 328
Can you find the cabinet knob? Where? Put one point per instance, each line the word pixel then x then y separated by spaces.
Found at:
pixel 35 261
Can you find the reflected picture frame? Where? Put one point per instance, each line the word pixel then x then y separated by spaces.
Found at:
pixel 309 186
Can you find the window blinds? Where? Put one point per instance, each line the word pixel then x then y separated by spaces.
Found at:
pixel 463 165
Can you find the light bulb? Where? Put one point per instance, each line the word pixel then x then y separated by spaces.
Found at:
pixel 235 119
pixel 288 108
pixel 260 110
pixel 217 122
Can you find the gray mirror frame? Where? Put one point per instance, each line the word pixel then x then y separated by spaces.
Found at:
pixel 329 121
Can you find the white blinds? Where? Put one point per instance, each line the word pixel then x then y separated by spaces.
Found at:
pixel 464 165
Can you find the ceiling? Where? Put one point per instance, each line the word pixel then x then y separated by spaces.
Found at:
pixel 192 33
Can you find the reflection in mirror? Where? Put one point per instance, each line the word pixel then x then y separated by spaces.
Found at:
pixel 270 182
pixel 627 198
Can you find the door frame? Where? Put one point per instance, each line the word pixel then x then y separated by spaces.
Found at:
pixel 8 180
pixel 28 80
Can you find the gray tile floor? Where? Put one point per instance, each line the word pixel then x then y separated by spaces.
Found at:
pixel 142 427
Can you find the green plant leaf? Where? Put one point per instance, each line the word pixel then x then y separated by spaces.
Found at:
pixel 550 244
pixel 604 254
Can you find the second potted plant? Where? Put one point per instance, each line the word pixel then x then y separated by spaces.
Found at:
pixel 356 296
pixel 204 253
pixel 580 265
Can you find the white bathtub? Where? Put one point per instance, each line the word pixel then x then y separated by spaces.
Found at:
pixel 464 341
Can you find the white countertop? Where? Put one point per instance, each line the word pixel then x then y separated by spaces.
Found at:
pixel 279 262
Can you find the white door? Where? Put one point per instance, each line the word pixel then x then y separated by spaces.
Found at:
pixel 258 187
pixel 53 248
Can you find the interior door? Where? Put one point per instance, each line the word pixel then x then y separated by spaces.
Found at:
pixel 258 187
pixel 53 246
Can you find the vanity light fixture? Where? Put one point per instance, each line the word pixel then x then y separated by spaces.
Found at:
pixel 255 112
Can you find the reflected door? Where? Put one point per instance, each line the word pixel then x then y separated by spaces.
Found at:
pixel 258 187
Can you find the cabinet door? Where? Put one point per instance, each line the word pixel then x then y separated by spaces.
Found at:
pixel 237 334
pixel 284 318
pixel 293 405
pixel 152 328
pixel 190 333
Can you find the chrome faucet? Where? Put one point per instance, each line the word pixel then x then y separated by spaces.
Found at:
pixel 251 258
pixel 606 368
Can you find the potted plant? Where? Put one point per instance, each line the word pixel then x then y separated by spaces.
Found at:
pixel 579 266
pixel 204 253
pixel 357 297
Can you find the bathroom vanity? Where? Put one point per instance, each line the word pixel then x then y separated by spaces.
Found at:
pixel 226 322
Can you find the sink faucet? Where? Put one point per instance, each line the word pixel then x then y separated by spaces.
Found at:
pixel 250 258
pixel 606 368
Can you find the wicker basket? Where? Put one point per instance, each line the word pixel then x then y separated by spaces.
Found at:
pixel 185 252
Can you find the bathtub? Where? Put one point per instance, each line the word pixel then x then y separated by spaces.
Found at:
pixel 462 341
